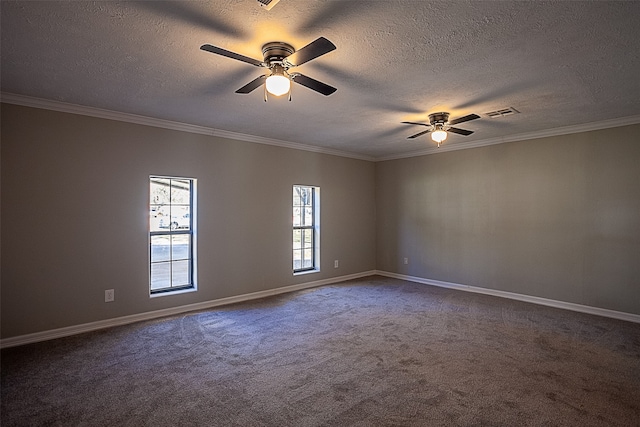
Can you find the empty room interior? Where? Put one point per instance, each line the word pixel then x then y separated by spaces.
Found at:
pixel 320 213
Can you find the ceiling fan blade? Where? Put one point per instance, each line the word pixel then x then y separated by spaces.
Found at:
pixel 419 134
pixel 464 119
pixel 415 123
pixel 252 85
pixel 460 131
pixel 316 48
pixel 232 55
pixel 313 84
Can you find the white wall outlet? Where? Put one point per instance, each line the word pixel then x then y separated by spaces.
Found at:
pixel 335 264
pixel 406 260
pixel 109 295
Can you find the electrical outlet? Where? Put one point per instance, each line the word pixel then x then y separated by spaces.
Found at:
pixel 406 260
pixel 335 264
pixel 109 295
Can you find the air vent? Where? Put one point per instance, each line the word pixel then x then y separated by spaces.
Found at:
pixel 268 4
pixel 502 113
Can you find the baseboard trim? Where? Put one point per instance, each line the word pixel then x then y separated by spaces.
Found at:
pixel 620 315
pixel 150 315
pixel 124 320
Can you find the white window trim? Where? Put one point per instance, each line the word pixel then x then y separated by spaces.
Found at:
pixel 194 240
pixel 316 231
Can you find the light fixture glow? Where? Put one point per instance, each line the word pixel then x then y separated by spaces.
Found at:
pixel 438 136
pixel 278 84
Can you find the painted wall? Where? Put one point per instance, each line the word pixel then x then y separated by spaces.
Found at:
pixel 556 218
pixel 74 216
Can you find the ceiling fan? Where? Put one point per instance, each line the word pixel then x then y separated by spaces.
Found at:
pixel 279 58
pixel 440 125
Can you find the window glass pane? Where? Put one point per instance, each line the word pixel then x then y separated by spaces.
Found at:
pixel 308 258
pixel 161 218
pixel 160 249
pixel 180 273
pixel 305 195
pixel 296 217
pixel 296 197
pixel 308 216
pixel 160 275
pixel 180 218
pixel 180 247
pixel 308 238
pixel 297 259
pixel 297 239
pixel 154 219
pixel 180 191
pixel 159 194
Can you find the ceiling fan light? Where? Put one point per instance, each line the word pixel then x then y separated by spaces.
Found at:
pixel 439 135
pixel 278 84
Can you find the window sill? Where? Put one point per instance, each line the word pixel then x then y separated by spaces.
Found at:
pixel 176 292
pixel 300 273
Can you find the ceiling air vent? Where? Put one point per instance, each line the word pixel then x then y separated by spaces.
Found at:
pixel 268 4
pixel 502 113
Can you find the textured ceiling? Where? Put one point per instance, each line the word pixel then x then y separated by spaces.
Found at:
pixel 558 63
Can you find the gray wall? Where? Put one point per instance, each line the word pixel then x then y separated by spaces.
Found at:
pixel 74 216
pixel 557 218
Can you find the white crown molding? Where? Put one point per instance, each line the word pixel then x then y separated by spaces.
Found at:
pixel 28 101
pixel 64 107
pixel 565 130
pixel 124 320
pixel 620 315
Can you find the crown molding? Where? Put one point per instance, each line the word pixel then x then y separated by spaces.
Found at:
pixel 565 130
pixel 28 101
pixel 65 107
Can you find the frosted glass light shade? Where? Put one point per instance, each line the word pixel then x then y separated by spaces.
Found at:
pixel 439 136
pixel 278 84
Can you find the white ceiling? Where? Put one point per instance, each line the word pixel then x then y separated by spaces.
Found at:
pixel 559 63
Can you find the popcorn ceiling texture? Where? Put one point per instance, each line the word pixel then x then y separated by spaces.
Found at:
pixel 559 63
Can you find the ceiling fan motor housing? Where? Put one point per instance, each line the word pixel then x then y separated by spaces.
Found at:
pixel 276 51
pixel 438 118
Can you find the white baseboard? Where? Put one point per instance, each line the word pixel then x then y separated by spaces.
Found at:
pixel 620 315
pixel 124 320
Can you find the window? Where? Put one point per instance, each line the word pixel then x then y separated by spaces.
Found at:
pixel 171 234
pixel 306 235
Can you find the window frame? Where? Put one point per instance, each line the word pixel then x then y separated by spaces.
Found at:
pixel 170 233
pixel 314 228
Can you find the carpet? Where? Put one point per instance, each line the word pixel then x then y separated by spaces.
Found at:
pixel 368 352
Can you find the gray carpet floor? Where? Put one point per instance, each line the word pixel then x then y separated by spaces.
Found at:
pixel 367 352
